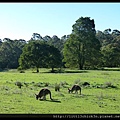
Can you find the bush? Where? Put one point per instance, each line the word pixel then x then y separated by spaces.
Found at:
pixel 57 87
pixel 19 84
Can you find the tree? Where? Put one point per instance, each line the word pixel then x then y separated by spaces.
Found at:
pixel 56 42
pixel 36 36
pixel 82 45
pixel 110 44
pixel 111 53
pixel 39 54
pixel 10 51
pixel 47 38
pixel 54 58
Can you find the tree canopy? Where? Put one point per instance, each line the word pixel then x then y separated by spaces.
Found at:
pixel 82 44
pixel 39 54
pixel 84 48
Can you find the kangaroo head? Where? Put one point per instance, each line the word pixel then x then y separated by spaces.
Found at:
pixel 36 96
pixel 69 90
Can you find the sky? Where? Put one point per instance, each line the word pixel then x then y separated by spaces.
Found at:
pixel 21 20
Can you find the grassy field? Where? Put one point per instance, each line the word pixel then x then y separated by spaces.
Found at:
pixel 102 96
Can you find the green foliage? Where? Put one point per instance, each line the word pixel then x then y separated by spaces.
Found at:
pixel 85 48
pixel 54 59
pixel 71 52
pixel 111 53
pixel 80 48
pixel 110 44
pixel 39 54
pixel 10 51
pixel 19 84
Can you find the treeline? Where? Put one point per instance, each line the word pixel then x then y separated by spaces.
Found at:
pixel 84 48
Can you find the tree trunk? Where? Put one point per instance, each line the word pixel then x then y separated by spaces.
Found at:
pixel 37 70
pixel 81 62
pixel 52 70
pixel 80 67
pixel 82 59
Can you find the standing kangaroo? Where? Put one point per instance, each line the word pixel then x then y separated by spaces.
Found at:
pixel 75 88
pixel 43 92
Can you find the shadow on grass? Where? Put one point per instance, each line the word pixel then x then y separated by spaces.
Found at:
pixel 54 100
pixel 87 95
pixel 4 70
pixel 67 71
pixel 76 71
pixel 81 96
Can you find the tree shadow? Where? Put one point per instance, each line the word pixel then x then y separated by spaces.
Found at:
pixel 66 71
pixel 87 95
pixel 4 70
pixel 76 71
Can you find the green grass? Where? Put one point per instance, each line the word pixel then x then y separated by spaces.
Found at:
pixel 102 96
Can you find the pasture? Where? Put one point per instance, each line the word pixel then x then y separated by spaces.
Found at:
pixel 102 96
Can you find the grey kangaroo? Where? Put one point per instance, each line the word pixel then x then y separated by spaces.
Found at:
pixel 42 94
pixel 75 88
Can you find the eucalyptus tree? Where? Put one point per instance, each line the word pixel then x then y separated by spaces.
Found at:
pixel 55 41
pixel 36 36
pixel 111 55
pixel 54 59
pixel 111 51
pixel 82 47
pixel 47 38
pixel 10 51
pixel 0 42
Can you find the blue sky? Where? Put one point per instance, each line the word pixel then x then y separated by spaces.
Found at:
pixel 21 20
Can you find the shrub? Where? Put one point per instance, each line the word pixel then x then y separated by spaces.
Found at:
pixel 19 84
pixel 57 87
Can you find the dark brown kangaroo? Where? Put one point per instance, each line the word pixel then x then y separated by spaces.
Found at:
pixel 75 88
pixel 42 94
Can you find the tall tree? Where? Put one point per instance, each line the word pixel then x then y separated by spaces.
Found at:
pixel 111 53
pixel 10 51
pixel 54 59
pixel 56 42
pixel 36 36
pixel 82 46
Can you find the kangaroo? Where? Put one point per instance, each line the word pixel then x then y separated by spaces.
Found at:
pixel 75 88
pixel 43 92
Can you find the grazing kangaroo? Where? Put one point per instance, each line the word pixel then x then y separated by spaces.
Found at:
pixel 43 92
pixel 75 88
